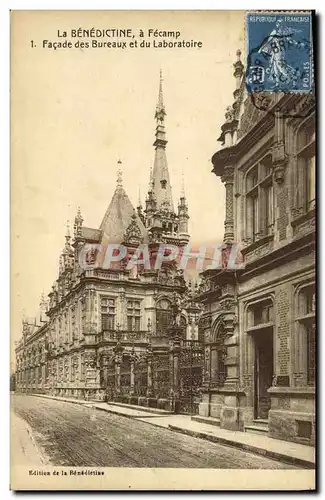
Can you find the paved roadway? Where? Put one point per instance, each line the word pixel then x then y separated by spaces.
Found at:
pixel 73 435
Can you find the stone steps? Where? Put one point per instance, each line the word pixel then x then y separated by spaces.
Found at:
pixel 259 426
pixel 206 420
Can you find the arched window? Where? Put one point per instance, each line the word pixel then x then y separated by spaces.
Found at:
pixel 305 150
pixel 163 316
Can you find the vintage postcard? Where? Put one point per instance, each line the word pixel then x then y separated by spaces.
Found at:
pixel 163 311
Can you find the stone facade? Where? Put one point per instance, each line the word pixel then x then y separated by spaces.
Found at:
pixel 259 321
pixel 102 326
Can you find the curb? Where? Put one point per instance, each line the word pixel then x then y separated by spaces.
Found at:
pixel 92 404
pixel 246 447
pixel 146 409
pixel 76 402
pixel 201 435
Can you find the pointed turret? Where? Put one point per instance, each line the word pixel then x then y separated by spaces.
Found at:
pixel 183 211
pixel 67 255
pixel 43 308
pixel 119 214
pixel 140 208
pixel 78 224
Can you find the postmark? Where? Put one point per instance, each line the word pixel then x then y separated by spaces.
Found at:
pixel 280 52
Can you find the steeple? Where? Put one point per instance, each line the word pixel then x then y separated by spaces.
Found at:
pixel 160 219
pixel 160 176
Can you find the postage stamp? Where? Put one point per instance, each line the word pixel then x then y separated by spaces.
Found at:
pixel 279 52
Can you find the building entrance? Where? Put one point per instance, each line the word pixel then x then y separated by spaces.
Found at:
pixel 263 372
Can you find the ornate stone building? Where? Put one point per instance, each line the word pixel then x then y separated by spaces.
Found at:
pixel 259 321
pixel 107 333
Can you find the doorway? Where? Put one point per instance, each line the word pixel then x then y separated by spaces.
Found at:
pixel 263 372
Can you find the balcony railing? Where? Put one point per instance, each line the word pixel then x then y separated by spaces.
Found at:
pixel 123 336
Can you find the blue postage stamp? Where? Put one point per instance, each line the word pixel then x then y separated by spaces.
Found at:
pixel 279 52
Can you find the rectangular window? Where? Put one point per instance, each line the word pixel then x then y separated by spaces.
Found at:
pixel 260 200
pixel 255 217
pixel 82 367
pixel 72 370
pixel 107 313
pixel 133 315
pixel 311 350
pixel 269 209
pixel 307 327
pixel 310 188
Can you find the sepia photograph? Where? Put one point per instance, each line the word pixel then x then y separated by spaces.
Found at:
pixel 163 211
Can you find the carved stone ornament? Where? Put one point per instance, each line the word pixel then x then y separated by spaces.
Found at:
pixel 279 159
pixel 133 233
pixel 230 114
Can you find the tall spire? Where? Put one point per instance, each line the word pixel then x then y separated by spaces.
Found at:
pixel 119 183
pixel 160 182
pixel 160 109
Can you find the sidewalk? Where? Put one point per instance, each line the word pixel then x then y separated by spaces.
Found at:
pixel 285 451
pixel 23 449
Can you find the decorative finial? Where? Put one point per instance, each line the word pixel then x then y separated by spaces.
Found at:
pixel 139 198
pixel 119 174
pixel 67 234
pixel 160 97
pixel 160 109
pixel 183 186
pixel 78 224
pixel 239 69
pixel 151 180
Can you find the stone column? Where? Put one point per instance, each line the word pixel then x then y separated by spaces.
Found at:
pixel 175 403
pixel 213 365
pixel 228 180
pixel 105 371
pixel 118 375
pixel 132 381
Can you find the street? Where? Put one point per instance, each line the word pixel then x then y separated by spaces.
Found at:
pixel 69 434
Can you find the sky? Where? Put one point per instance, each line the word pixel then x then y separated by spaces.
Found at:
pixel 76 112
